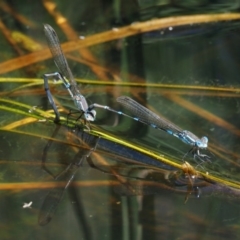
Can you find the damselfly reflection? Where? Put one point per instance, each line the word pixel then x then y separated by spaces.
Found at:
pixel 107 148
pixel 55 195
pixel 142 174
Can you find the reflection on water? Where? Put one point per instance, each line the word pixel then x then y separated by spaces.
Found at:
pixel 123 180
pixel 55 195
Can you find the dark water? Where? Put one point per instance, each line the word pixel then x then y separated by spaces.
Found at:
pixel 189 74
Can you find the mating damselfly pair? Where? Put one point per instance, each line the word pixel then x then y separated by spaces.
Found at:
pixel 140 113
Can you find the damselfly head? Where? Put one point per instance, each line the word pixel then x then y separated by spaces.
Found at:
pixel 90 115
pixel 202 143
